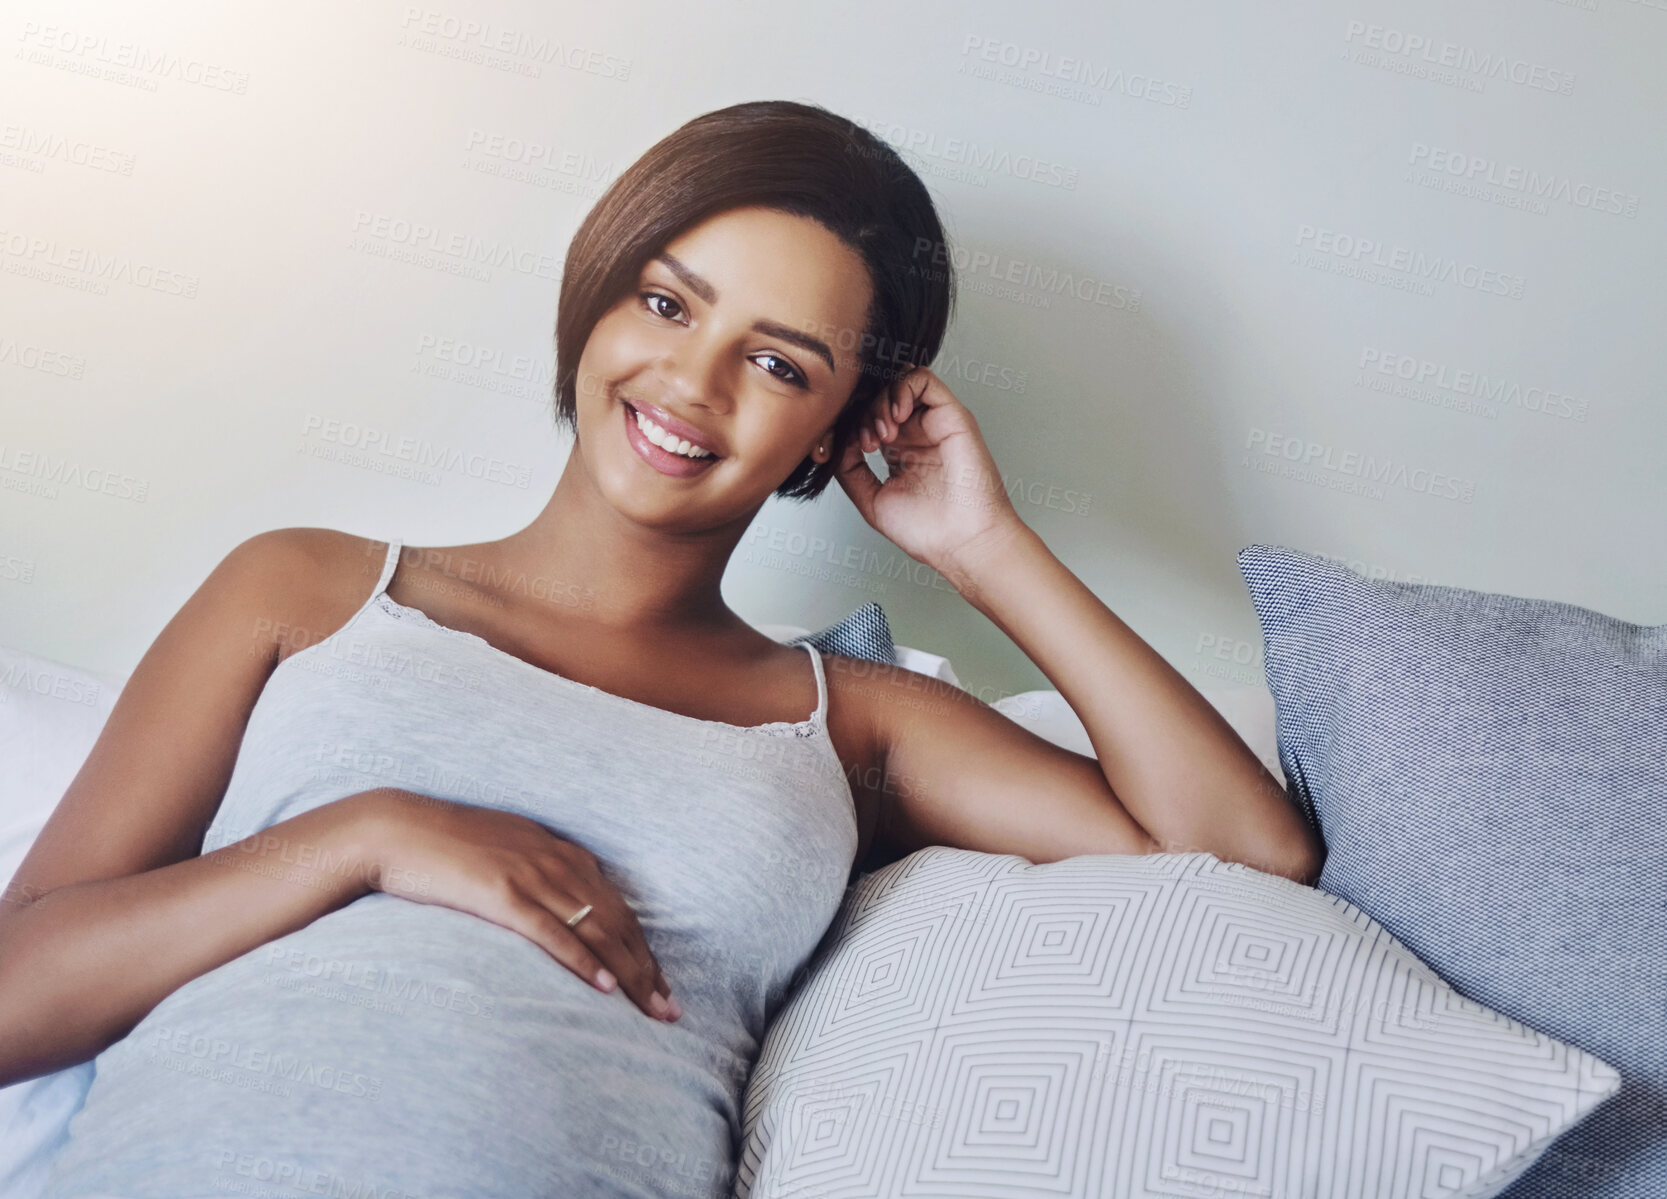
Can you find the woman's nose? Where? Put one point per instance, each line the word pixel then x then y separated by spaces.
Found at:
pixel 700 374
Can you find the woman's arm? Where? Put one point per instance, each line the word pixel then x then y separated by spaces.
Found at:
pixel 84 963
pixel 1169 761
pixel 1172 761
pixel 112 908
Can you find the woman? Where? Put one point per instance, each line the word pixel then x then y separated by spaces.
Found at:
pixel 373 895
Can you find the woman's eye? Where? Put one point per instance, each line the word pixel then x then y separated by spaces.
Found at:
pixel 650 296
pixel 792 376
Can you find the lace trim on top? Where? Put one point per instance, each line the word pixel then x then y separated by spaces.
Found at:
pixel 811 726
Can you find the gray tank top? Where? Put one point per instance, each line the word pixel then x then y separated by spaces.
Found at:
pixel 394 1048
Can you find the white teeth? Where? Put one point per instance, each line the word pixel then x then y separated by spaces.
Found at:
pixel 674 445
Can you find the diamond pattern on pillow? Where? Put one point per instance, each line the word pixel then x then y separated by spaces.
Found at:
pixel 1169 1025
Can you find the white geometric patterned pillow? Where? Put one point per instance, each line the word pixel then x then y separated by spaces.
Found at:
pixel 1165 1025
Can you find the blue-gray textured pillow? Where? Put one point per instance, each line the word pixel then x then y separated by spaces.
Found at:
pixel 864 633
pixel 1490 776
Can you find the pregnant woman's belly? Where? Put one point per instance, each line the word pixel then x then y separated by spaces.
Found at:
pixel 393 1049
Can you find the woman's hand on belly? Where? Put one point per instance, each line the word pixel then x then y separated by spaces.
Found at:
pixel 513 871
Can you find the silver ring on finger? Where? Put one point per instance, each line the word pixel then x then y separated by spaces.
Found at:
pixel 578 916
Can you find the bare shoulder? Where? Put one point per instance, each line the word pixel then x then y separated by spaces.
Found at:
pixel 323 555
pixel 869 705
pixel 319 577
pixel 311 581
pixel 894 704
pixel 152 782
pixel 887 694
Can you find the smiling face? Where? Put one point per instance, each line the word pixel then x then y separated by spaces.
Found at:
pixel 742 336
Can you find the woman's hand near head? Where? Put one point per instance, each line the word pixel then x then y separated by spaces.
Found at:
pixel 944 493
pixel 513 871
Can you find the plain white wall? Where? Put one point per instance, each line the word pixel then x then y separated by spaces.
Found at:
pixel 1214 260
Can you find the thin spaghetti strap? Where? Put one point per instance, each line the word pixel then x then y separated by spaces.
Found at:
pixel 820 716
pixel 389 564
pixel 388 568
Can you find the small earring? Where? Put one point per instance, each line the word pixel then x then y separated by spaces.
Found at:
pixel 822 447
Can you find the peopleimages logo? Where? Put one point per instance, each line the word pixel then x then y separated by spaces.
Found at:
pixel 973 155
pixel 420 453
pixel 40 143
pixel 38 472
pixel 29 357
pixel 972 264
pixel 45 258
pixel 1438 52
pixel 1470 389
pixel 489 368
pixel 1428 267
pixel 149 63
pixel 455 250
pixel 1095 77
pixel 531 152
pixel 1475 170
pixel 487 43
pixel 1317 455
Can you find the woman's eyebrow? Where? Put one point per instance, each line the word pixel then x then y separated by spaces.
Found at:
pixel 692 281
pixel 709 294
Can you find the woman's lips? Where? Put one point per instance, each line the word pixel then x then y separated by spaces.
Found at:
pixel 664 461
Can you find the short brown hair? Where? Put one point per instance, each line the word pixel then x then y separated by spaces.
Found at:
pixel 795 158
